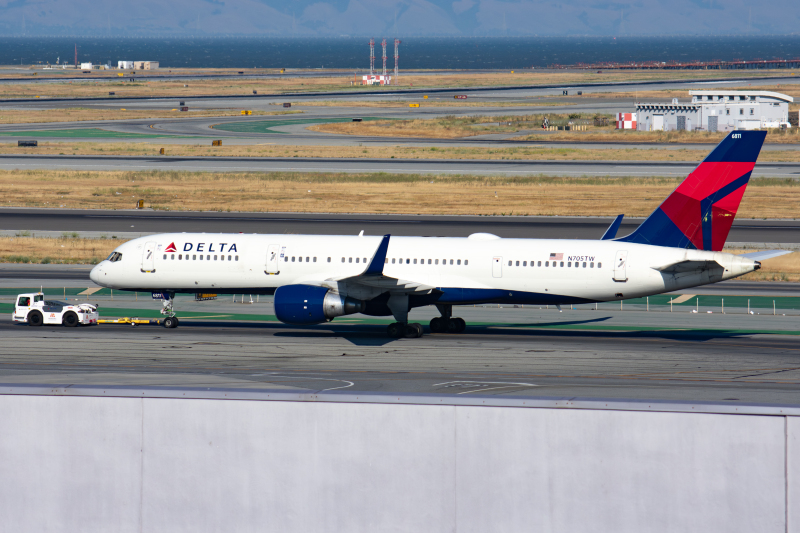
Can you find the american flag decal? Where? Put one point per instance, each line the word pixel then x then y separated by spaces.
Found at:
pixel 557 257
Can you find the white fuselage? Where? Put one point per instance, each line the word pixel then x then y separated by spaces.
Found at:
pixel 480 268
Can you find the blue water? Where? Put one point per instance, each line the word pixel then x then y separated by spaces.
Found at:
pixel 415 53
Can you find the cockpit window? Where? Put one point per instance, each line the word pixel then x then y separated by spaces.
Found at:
pixel 38 297
pixel 114 257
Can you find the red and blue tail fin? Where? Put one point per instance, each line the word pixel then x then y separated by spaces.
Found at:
pixel 700 212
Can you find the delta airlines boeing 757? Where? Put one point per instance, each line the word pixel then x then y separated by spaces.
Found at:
pixel 316 278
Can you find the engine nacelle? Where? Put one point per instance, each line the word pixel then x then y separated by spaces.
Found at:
pixel 308 304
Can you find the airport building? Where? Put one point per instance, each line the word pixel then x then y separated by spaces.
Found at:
pixel 717 110
pixel 145 65
pixel 376 79
pixel 125 65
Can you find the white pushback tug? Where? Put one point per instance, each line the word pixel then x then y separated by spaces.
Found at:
pixel 33 309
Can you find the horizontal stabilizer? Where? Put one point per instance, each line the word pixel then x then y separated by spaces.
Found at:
pixel 611 232
pixel 687 266
pixel 766 254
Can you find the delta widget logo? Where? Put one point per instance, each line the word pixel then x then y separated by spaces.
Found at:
pixel 171 248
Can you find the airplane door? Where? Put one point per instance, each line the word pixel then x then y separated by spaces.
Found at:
pixel 149 257
pixel 273 255
pixel 621 266
pixel 497 267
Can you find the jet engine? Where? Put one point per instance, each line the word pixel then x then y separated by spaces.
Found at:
pixel 308 304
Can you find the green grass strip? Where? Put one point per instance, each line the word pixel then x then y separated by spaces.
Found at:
pixel 81 133
pixel 265 126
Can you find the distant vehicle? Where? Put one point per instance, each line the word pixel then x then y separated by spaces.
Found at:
pixel 35 310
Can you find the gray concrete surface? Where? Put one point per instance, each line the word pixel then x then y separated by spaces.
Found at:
pixel 401 166
pixel 157 464
pixel 606 353
pixel 143 221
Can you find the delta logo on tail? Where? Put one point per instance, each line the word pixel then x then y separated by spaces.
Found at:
pixel 700 212
pixel 171 248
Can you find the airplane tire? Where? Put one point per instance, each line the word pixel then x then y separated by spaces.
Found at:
pixel 170 322
pixel 452 325
pixel 35 318
pixel 462 325
pixel 395 330
pixel 70 320
pixel 438 325
pixel 414 331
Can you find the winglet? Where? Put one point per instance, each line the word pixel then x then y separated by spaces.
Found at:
pixel 611 232
pixel 376 265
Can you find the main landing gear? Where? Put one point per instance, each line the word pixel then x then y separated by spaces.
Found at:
pixel 410 331
pixel 447 323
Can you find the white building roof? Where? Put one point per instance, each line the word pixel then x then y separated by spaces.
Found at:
pixel 779 96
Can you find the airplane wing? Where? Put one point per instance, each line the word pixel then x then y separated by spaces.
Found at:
pixel 687 266
pixel 766 254
pixel 373 277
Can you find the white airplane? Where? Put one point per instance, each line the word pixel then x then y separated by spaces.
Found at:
pixel 316 278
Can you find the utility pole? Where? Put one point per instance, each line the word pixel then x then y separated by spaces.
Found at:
pixel 372 57
pixel 383 43
pixel 396 59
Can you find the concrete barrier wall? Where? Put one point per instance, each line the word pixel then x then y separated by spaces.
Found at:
pixel 174 465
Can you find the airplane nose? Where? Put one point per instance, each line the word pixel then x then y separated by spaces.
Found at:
pixel 94 275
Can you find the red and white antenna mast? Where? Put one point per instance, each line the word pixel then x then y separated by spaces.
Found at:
pixel 383 43
pixel 396 59
pixel 372 57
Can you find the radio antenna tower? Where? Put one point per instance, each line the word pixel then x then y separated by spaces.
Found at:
pixel 396 59
pixel 372 57
pixel 76 55
pixel 383 43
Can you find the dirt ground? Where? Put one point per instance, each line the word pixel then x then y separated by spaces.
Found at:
pixel 43 116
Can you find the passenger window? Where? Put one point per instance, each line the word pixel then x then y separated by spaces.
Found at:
pixel 415 261
pixel 215 258
pixel 430 261
pixel 509 263
pixel 546 263
pixel 451 261
pixel 517 263
pixel 365 259
pixel 307 261
pixel 569 264
pixel 194 257
pixel 208 258
pixel 237 257
pixel 458 262
pixel 466 262
pixel 229 258
pixel 562 263
pixel 392 260
pixel 524 263
pixel 329 260
pixel 540 263
pixel 342 259
pixel 315 259
pixel 350 260
pixel 584 265
pixel 408 261
pixel 356 259
pixel 591 265
pixel 165 256
pixel 180 257
pixel 285 259
pixel 599 265
pixel 201 258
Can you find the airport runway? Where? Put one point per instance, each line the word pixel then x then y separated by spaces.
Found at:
pixel 110 221
pixel 397 166
pixel 600 354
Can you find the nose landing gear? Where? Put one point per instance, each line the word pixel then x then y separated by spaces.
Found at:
pixel 171 321
pixel 397 330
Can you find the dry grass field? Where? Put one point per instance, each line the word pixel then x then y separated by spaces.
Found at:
pixel 55 250
pixel 71 250
pixel 452 127
pixel 41 116
pixel 533 153
pixel 369 193
pixel 146 85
